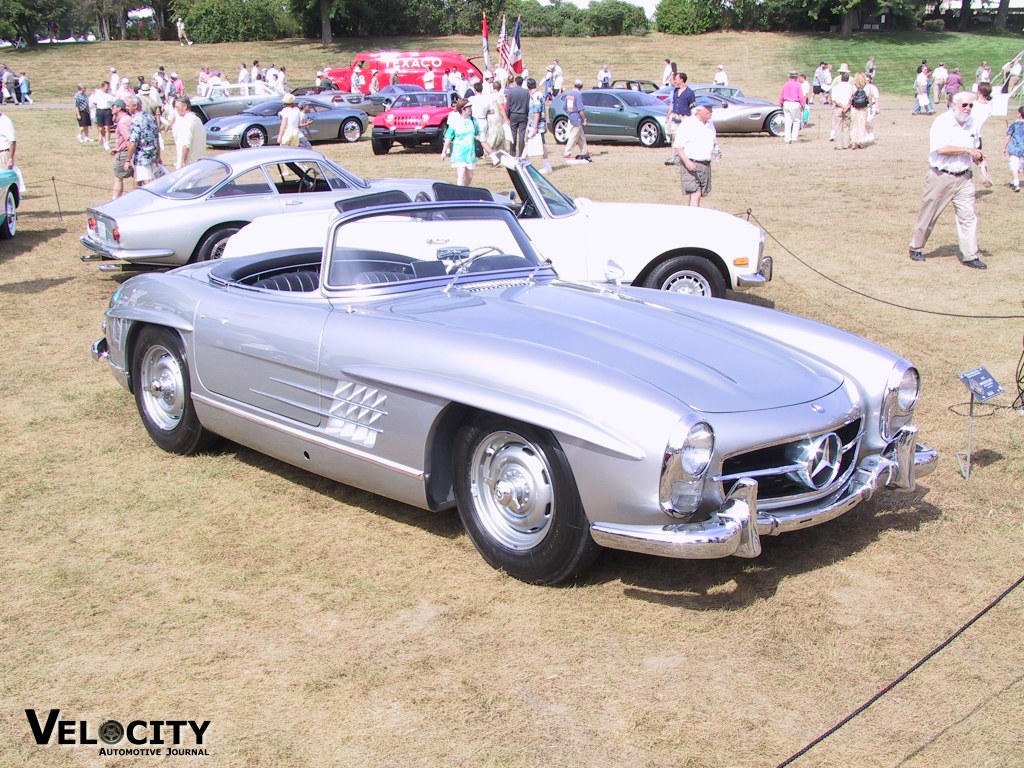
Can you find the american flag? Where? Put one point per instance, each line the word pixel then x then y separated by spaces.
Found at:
pixel 503 46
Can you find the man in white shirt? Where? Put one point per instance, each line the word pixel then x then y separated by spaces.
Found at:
pixel 428 79
pixel 667 74
pixel 8 148
pixel 243 73
pixel 953 153
pixel 842 95
pixel 115 80
pixel 695 144
pixel 189 133
pixel 720 77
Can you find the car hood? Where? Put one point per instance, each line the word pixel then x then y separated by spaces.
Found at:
pixel 699 218
pixel 691 351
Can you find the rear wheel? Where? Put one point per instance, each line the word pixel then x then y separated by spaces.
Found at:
pixel 10 224
pixel 351 129
pixel 163 392
pixel 560 128
pixel 380 146
pixel 775 124
pixel 518 501
pixel 213 244
pixel 649 133
pixel 693 275
pixel 254 136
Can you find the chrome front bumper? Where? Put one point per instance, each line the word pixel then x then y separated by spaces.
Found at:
pixel 762 277
pixel 149 255
pixel 736 528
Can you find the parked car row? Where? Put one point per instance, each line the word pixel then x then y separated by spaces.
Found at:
pixel 189 216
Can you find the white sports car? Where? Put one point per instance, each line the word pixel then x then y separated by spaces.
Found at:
pixel 704 253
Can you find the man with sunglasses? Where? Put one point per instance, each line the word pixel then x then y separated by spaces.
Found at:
pixel 953 143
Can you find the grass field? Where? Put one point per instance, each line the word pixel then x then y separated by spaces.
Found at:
pixel 313 624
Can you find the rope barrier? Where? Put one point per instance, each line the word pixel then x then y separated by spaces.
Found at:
pixel 935 651
pixel 819 273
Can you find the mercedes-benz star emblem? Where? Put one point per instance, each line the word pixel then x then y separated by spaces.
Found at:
pixel 821 458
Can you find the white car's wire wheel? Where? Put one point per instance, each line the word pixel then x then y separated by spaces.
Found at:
pixel 518 501
pixel 213 244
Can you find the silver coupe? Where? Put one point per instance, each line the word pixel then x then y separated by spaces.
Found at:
pixel 189 214
pixel 557 418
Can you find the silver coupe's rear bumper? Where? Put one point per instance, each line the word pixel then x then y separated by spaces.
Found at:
pixel 736 528
pixel 149 255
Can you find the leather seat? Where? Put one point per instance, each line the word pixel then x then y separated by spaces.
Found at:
pixel 381 278
pixel 303 282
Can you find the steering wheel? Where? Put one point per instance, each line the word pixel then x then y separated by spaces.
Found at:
pixel 307 181
pixel 476 253
pixel 526 210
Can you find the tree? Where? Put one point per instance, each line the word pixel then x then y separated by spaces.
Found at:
pixel 43 17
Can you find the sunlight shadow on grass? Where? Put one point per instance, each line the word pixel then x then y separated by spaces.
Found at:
pixel 34 286
pixel 734 583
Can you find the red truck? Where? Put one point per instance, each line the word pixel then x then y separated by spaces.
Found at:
pixel 407 66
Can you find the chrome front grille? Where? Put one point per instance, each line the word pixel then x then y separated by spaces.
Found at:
pixel 778 473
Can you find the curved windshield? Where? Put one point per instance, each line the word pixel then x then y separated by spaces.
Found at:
pixel 421 99
pixel 558 203
pixel 638 99
pixel 266 109
pixel 454 243
pixel 192 181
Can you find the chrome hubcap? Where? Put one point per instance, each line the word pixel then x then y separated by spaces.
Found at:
pixel 352 131
pixel 511 490
pixel 163 388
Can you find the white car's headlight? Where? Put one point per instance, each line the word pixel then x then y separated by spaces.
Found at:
pixel 687 456
pixel 901 394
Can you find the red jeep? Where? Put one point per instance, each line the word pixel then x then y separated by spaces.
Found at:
pixel 413 119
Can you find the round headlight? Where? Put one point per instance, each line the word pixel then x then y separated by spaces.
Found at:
pixel 909 389
pixel 697 449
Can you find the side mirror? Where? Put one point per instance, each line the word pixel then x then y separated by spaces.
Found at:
pixel 613 273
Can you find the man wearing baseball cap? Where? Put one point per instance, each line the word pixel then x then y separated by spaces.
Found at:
pixel 695 143
pixel 119 139
pixel 953 153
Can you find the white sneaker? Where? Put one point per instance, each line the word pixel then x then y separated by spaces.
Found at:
pixel 106 145
pixel 190 42
pixel 81 139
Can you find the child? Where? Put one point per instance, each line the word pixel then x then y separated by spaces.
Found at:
pixel 305 120
pixel 1014 147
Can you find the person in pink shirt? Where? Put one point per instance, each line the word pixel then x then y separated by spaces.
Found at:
pixel 792 101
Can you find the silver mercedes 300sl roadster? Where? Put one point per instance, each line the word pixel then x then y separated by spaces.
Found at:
pixel 457 370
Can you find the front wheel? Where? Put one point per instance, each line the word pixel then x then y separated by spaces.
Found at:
pixel 351 129
pixel 518 501
pixel 775 124
pixel 163 392
pixel 693 275
pixel 213 244
pixel 254 136
pixel 380 146
pixel 649 133
pixel 560 129
pixel 10 223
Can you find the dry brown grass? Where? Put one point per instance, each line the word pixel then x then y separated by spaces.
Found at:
pixel 315 625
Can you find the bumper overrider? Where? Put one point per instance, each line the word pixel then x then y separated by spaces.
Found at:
pixel 760 278
pixel 736 527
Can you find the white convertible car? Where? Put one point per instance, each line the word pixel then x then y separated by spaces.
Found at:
pixel 676 248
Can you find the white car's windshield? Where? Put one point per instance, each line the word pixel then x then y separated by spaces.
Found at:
pixel 462 243
pixel 558 203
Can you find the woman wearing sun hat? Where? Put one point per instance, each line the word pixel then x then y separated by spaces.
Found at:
pixel 288 134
